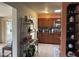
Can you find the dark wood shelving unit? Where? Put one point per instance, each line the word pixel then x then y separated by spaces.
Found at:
pixel 72 44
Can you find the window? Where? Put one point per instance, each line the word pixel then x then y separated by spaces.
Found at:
pixel 9 33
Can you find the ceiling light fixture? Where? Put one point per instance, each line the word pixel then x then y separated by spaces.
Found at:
pixel 44 11
pixel 57 11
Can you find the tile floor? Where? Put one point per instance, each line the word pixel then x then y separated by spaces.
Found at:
pixel 44 50
pixel 48 50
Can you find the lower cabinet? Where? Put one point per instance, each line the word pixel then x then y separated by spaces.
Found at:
pixel 49 38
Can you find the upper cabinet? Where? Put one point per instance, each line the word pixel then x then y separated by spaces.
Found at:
pixel 46 22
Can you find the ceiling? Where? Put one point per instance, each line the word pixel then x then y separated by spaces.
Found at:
pixel 50 7
pixel 41 6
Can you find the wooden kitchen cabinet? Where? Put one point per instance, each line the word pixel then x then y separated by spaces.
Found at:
pixel 45 22
pixel 42 37
pixel 46 37
pixel 40 23
pixel 49 38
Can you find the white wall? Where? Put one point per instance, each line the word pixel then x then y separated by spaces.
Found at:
pixel 26 11
pixel 0 31
pixel 14 31
pixel 5 10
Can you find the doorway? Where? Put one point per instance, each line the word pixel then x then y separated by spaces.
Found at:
pixel 49 34
pixel 6 37
pixel 8 30
pixel 46 18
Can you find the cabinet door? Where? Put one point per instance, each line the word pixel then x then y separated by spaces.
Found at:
pixel 51 22
pixel 43 37
pixel 39 36
pixel 43 22
pixel 46 22
pixel 49 39
pixel 40 22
